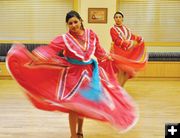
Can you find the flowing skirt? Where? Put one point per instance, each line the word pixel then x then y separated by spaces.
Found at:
pixel 52 83
pixel 130 61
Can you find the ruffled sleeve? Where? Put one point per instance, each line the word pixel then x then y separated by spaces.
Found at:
pixel 57 44
pixel 115 37
pixel 50 52
pixel 124 44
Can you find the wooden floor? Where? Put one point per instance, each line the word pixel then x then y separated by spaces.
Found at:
pixel 159 103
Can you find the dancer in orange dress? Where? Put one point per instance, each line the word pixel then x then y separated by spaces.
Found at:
pixel 128 50
pixel 73 83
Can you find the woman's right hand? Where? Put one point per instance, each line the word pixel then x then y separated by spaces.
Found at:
pixel 130 44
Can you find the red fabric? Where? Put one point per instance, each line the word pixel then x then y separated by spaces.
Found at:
pixel 123 42
pixel 128 60
pixel 58 44
pixel 53 84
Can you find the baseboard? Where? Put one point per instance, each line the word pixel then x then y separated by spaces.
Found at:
pixel 3 71
pixel 160 70
pixel 155 79
pixel 6 77
pixel 153 71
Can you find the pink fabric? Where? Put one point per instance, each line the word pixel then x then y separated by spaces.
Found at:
pixel 53 84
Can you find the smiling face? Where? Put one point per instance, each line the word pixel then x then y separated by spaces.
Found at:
pixel 118 19
pixel 74 24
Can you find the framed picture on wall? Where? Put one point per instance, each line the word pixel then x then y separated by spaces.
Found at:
pixel 97 15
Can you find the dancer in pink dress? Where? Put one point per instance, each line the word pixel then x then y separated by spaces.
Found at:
pixel 73 83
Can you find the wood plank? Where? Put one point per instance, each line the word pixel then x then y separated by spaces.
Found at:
pixel 154 70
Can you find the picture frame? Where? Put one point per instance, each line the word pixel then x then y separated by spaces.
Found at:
pixel 97 15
